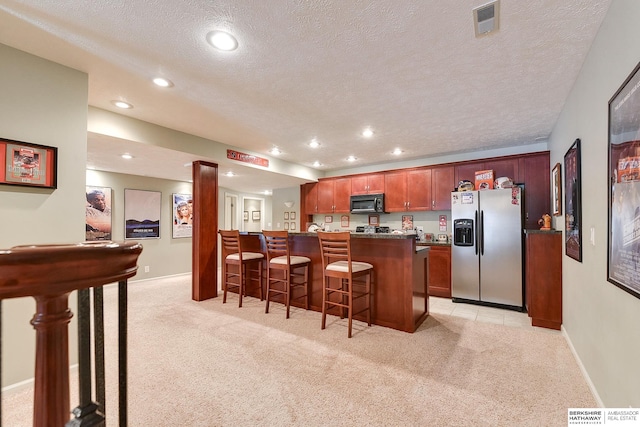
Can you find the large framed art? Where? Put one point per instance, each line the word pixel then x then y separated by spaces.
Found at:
pixel 573 202
pixel 98 220
pixel 28 165
pixel 182 208
pixel 142 214
pixel 623 260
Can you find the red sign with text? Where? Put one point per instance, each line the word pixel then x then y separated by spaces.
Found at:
pixel 247 158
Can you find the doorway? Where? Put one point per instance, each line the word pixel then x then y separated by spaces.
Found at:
pixel 231 212
pixel 253 214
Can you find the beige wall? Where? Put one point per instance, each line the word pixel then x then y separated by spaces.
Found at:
pixel 601 321
pixel 43 103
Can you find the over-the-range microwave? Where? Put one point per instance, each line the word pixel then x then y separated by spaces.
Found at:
pixel 367 203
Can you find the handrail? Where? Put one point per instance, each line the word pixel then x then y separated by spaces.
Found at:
pixel 49 273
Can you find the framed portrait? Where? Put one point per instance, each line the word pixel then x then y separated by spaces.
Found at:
pixel 374 219
pixel 182 217
pixel 292 226
pixel 573 202
pixel 328 219
pixel 255 215
pixel 28 165
pixel 556 190
pixel 623 257
pixel 407 222
pixel 344 221
pixel 286 225
pixel 98 219
pixel 142 214
pixel 286 216
pixel 245 215
pixel 292 215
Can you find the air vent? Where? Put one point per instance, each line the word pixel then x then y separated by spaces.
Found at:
pixel 486 18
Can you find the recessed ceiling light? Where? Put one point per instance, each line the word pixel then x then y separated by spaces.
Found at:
pixel 397 151
pixel 162 82
pixel 229 173
pixel 122 104
pixel 317 164
pixel 222 40
pixel 127 156
pixel 275 151
pixel 314 143
pixel 367 133
pixel 351 158
pixel 267 192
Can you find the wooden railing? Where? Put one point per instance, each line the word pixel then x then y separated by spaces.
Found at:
pixel 49 273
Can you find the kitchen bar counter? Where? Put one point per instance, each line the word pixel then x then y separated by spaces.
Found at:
pixel 400 266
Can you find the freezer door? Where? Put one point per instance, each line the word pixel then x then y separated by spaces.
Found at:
pixel 465 278
pixel 501 247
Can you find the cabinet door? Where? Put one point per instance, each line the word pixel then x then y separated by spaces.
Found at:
pixel 311 198
pixel 504 167
pixel 442 185
pixel 395 191
pixel 467 171
pixel 341 195
pixel 419 189
pixel 440 271
pixel 537 189
pixel 325 196
pixel 359 184
pixel 375 183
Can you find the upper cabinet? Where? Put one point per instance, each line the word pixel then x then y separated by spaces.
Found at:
pixel 442 184
pixel 333 195
pixel 508 167
pixel 408 190
pixel 311 198
pixel 367 184
pixel 535 174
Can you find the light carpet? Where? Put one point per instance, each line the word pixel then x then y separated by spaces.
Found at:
pixel 213 364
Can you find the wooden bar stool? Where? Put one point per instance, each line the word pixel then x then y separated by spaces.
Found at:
pixel 335 249
pixel 283 269
pixel 235 256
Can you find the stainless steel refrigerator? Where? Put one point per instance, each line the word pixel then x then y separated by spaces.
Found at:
pixel 486 247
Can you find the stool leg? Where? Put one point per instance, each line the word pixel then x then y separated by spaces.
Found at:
pixel 260 266
pixel 324 301
pixel 287 289
pixel 266 308
pixel 368 289
pixel 224 283
pixel 350 304
pixel 241 289
pixel 306 287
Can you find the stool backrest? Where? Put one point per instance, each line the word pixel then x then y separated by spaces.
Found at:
pixel 277 243
pixel 231 242
pixel 335 246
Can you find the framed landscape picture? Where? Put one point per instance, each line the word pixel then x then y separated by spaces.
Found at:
pixel 142 214
pixel 28 165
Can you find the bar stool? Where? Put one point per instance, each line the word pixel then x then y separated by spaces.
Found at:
pixel 232 246
pixel 290 268
pixel 335 249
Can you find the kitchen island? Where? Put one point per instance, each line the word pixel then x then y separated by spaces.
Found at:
pixel 401 271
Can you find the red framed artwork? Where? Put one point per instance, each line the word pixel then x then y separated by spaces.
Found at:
pixel 28 165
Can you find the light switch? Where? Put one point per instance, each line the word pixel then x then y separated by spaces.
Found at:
pixel 593 236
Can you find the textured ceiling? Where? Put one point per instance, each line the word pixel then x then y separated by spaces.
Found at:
pixel 413 71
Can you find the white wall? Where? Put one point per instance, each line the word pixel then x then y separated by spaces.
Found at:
pixel 43 103
pixel 601 321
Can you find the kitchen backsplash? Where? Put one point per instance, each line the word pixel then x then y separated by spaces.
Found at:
pixel 429 221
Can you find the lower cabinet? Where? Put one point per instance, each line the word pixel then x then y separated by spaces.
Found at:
pixel 543 268
pixel 440 271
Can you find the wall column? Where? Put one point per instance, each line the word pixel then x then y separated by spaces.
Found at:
pixel 205 231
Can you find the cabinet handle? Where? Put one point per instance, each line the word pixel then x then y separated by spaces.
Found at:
pixel 433 204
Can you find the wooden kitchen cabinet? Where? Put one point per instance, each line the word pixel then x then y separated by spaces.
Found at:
pixel 442 184
pixel 506 166
pixel 440 271
pixel 367 184
pixel 543 277
pixel 333 195
pixel 408 190
pixel 535 174
pixel 311 198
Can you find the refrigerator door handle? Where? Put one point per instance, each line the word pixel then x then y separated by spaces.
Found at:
pixel 481 233
pixel 477 233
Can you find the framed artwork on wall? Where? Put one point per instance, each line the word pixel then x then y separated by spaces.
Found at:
pixel 255 215
pixel 245 215
pixel 286 225
pixel 573 202
pixel 142 214
pixel 28 165
pixel 286 216
pixel 182 208
pixel 623 257
pixel 98 219
pixel 556 190
pixel 293 215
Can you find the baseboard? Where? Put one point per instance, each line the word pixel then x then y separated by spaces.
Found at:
pixel 160 277
pixel 27 384
pixel 585 374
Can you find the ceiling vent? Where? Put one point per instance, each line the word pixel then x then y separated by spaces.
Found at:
pixel 486 18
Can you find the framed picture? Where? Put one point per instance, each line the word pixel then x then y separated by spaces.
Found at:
pixel 293 215
pixel 623 266
pixel 142 214
pixel 98 219
pixel 344 221
pixel 245 215
pixel 292 225
pixel 407 222
pixel 286 216
pixel 182 208
pixel 255 215
pixel 374 219
pixel 328 219
pixel 556 190
pixel 286 225
pixel 28 165
pixel 573 202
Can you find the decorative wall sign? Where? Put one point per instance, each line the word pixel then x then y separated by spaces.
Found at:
pixel 182 208
pixel 573 202
pixel 344 221
pixel 623 260
pixel 556 190
pixel 255 215
pixel 98 219
pixel 28 165
pixel 374 219
pixel 142 214
pixel 245 215
pixel 247 158
pixel 407 222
